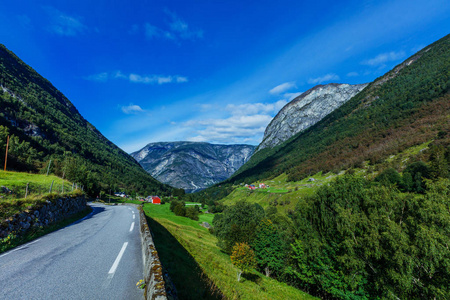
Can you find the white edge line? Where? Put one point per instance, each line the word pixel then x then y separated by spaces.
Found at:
pixel 21 247
pixel 132 226
pixel 118 258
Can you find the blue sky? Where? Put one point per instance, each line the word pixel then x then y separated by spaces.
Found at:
pixel 214 71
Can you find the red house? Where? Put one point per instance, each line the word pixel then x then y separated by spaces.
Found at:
pixel 156 200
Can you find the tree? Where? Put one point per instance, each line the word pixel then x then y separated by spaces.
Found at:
pixel 389 177
pixel 418 171
pixel 237 224
pixel 243 257
pixel 269 247
pixel 192 213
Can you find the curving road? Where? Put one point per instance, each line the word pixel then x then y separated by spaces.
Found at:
pixel 98 257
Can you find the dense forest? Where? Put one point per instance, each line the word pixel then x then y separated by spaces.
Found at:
pixel 353 239
pixel 46 129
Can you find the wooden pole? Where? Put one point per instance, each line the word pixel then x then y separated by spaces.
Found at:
pixel 51 186
pixel 6 155
pixel 26 191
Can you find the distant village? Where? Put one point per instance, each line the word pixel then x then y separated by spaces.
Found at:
pixel 253 187
pixel 149 199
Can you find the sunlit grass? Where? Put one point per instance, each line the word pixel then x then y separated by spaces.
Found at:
pixel 217 265
pixel 38 191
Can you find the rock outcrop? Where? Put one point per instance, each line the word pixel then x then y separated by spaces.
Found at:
pixel 192 165
pixel 306 110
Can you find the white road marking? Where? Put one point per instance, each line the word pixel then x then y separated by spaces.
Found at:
pixel 14 250
pixel 132 226
pixel 134 217
pixel 116 262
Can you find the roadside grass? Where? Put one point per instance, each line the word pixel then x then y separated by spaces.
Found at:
pixel 38 184
pixel 179 240
pixel 38 191
pixel 13 241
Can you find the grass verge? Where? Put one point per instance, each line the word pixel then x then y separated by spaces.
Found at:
pixel 13 241
pixel 187 249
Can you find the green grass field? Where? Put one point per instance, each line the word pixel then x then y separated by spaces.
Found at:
pixel 38 190
pixel 197 265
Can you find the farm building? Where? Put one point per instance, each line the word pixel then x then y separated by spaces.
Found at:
pixel 154 199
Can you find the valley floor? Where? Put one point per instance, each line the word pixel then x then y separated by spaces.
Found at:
pixel 191 256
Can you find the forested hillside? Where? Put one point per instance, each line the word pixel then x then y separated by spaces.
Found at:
pixel 407 106
pixel 44 125
pixel 377 224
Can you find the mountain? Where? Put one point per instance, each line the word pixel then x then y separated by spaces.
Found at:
pixel 306 110
pixel 407 106
pixel 191 165
pixel 45 126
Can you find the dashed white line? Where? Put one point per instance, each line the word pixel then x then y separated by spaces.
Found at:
pixel 132 226
pixel 116 262
pixel 134 216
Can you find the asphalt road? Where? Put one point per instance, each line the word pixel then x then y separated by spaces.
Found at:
pixel 98 257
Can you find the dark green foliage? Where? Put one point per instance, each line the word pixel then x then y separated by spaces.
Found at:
pixel 389 177
pixel 44 125
pixel 178 207
pixel 414 175
pixel 192 213
pixel 357 240
pixel 439 162
pixel 269 248
pixel 237 224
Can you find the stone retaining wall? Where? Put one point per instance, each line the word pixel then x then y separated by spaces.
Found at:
pixel 42 215
pixel 155 288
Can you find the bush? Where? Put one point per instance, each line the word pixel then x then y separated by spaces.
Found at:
pixel 192 213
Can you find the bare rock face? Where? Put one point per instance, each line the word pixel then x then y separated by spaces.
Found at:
pixel 306 110
pixel 191 165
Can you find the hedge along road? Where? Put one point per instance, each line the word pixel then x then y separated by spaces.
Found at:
pixel 98 257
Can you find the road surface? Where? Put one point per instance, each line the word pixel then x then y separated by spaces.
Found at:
pixel 98 257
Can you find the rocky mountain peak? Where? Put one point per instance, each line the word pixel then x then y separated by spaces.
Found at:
pixel 192 165
pixel 306 110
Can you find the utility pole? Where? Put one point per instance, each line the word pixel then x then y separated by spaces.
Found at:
pixel 6 155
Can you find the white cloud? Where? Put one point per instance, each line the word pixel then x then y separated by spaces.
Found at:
pixel 352 74
pixel 156 79
pixel 136 78
pixel 282 88
pixel 155 32
pixel 178 29
pixel 132 109
pixel 235 129
pixel 179 26
pixel 255 108
pixel 101 77
pixel 325 78
pixel 63 24
pixel 383 58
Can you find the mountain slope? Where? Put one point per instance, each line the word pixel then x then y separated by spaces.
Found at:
pixel 46 126
pixel 191 165
pixel 306 110
pixel 407 106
